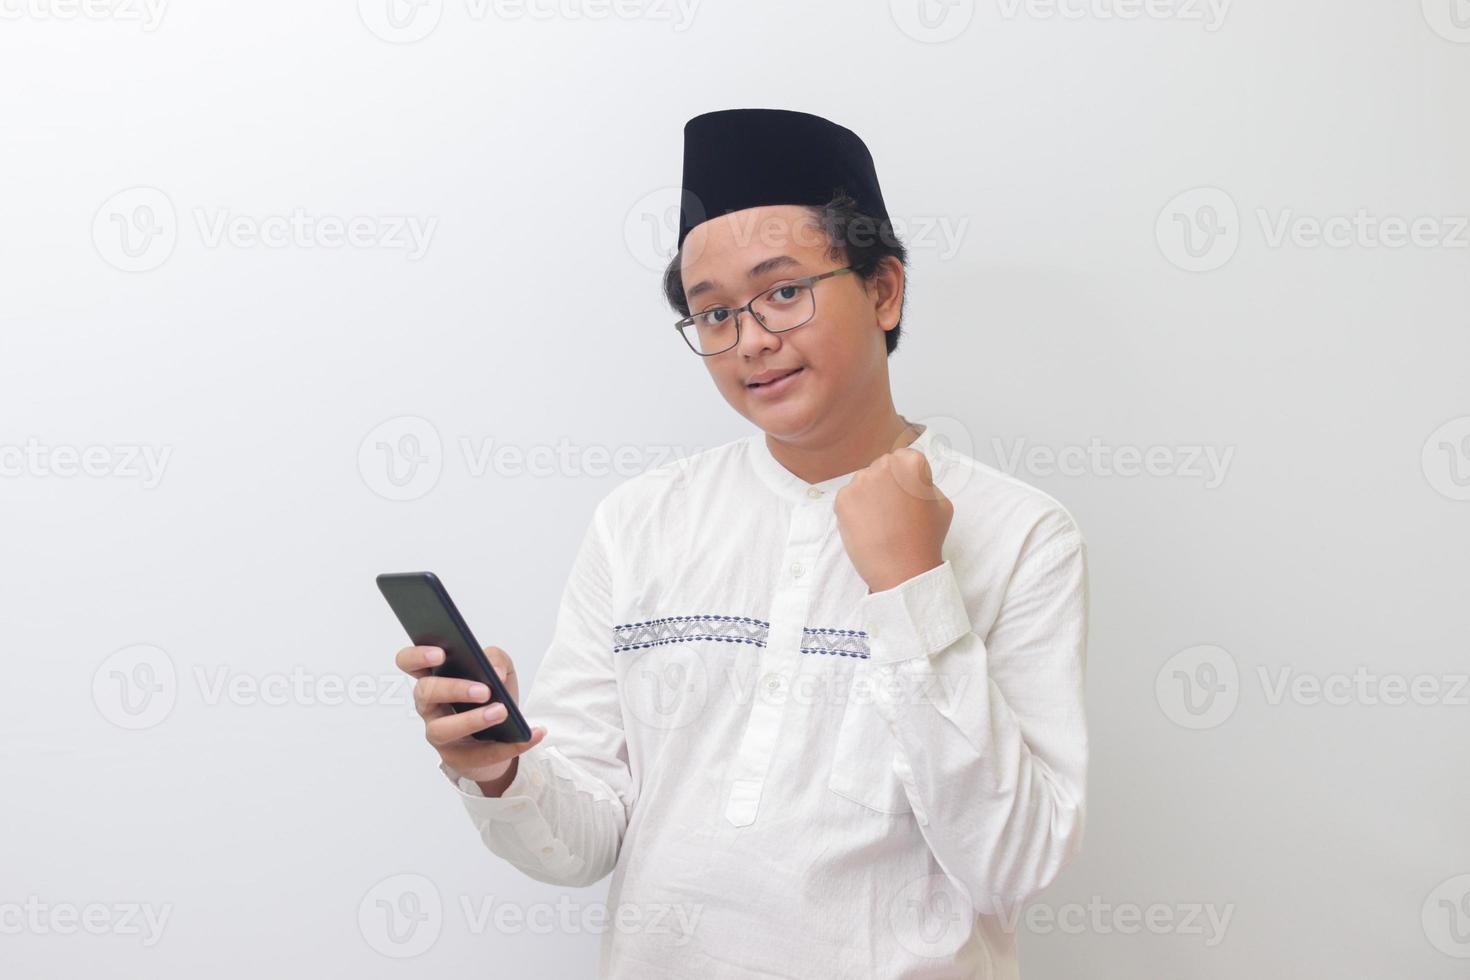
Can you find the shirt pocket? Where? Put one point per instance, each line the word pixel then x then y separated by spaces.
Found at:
pixel 862 762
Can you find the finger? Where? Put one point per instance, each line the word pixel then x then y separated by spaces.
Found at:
pixel 501 661
pixel 418 661
pixel 431 691
pixel 469 754
pixel 453 727
pixel 915 460
pixel 914 475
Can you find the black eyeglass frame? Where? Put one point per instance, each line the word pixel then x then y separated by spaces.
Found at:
pixel 735 311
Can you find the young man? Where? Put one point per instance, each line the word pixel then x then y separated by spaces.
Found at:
pixel 815 696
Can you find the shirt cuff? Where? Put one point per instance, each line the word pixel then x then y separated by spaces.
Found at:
pixel 916 618
pixel 518 802
pixel 514 823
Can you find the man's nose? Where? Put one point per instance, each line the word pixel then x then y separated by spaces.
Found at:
pixel 754 337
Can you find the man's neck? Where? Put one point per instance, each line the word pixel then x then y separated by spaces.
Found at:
pixel 851 450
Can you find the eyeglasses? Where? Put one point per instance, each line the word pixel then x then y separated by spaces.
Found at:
pixel 784 306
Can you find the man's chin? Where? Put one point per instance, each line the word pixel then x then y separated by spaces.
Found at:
pixel 784 420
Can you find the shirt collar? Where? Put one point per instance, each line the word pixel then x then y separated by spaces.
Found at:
pixel 789 486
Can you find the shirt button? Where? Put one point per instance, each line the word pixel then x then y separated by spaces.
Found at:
pixel 813 493
pixel 796 570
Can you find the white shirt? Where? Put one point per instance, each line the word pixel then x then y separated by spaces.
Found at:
pixel 786 775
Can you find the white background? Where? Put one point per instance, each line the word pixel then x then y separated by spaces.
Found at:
pixel 1038 155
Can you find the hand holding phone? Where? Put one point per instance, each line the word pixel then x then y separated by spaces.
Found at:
pixel 465 694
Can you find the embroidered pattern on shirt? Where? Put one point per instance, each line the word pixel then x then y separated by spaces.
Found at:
pixel 734 629
pixel 835 642
pixel 682 629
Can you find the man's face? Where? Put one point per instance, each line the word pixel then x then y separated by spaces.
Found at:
pixel 839 354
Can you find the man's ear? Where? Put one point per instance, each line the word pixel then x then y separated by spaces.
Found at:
pixel 887 291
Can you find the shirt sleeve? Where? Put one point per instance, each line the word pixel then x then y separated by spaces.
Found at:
pixel 990 732
pixel 562 819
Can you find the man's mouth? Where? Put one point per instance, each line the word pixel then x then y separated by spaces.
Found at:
pixel 774 379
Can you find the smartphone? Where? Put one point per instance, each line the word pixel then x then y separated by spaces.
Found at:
pixel 423 606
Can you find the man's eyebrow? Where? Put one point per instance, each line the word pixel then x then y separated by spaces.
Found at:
pixel 756 271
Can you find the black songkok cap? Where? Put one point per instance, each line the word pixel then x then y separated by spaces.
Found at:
pixel 746 158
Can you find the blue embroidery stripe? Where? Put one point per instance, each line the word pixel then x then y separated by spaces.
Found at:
pixel 734 629
pixel 685 619
pixel 857 654
pixel 685 639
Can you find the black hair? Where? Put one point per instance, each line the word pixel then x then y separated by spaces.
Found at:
pixel 858 240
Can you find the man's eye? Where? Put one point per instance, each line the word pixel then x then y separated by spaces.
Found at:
pixel 714 317
pixel 784 294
